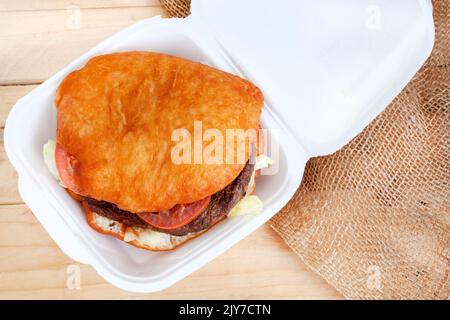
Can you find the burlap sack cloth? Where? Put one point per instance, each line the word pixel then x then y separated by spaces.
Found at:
pixel 373 219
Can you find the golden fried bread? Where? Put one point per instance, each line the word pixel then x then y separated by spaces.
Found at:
pixel 116 116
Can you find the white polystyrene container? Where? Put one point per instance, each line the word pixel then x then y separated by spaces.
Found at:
pixel 326 68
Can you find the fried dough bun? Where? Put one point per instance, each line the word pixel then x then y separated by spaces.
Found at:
pixel 115 121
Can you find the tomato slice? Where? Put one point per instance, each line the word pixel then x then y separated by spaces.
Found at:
pixel 176 217
pixel 65 164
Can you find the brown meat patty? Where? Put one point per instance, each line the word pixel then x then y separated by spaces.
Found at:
pixel 218 208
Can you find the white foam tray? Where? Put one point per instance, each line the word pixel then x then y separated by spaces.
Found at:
pixel 326 68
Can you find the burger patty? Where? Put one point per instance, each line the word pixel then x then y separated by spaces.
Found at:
pixel 218 208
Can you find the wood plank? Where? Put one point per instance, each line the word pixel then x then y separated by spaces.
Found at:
pixel 30 5
pixel 31 52
pixel 8 97
pixel 60 21
pixel 261 266
pixel 9 193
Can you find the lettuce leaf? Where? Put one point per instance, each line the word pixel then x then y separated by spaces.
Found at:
pixel 49 159
pixel 249 205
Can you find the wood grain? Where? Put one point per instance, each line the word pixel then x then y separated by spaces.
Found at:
pixel 35 43
pixel 261 266
pixel 53 37
pixel 39 5
pixel 9 96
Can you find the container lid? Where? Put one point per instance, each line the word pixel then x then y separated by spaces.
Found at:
pixel 326 67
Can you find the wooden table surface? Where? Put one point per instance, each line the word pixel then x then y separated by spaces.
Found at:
pixel 37 38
